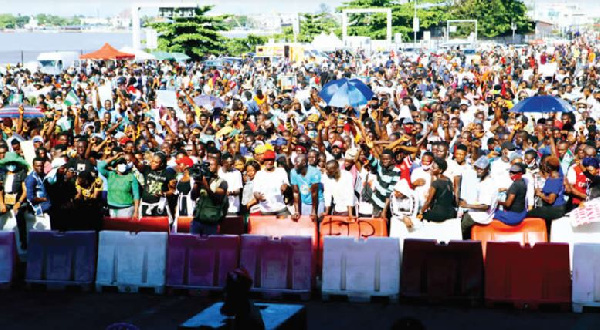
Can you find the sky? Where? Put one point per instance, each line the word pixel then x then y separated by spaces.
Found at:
pixel 104 8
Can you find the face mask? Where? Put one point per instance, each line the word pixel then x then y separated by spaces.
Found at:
pixel 11 167
pixel 477 121
pixel 121 168
pixel 143 147
pixel 312 134
pixel 426 167
pixel 497 149
pixel 516 176
pixel 151 131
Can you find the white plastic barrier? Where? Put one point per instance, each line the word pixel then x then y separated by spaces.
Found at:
pixel 563 232
pixel 361 269
pixel 7 257
pixel 586 276
pixel 446 231
pixel 131 261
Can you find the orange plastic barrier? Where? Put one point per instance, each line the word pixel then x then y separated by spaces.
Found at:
pixel 231 225
pixel 530 231
pixel 528 276
pixel 279 227
pixel 146 224
pixel 442 272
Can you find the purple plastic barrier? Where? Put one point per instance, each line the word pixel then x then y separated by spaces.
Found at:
pixel 278 265
pixel 61 258
pixel 7 257
pixel 198 262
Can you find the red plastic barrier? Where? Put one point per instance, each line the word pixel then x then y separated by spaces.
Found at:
pixel 434 271
pixel 8 257
pixel 530 231
pixel 231 225
pixel 525 275
pixel 145 224
pixel 201 262
pixel 278 265
pixel 61 258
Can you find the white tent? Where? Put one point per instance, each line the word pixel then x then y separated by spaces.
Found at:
pixel 140 55
pixel 327 42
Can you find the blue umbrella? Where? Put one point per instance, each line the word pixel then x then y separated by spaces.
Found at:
pixel 343 92
pixel 209 101
pixel 12 111
pixel 542 104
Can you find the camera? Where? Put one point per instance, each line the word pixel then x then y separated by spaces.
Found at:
pixel 199 171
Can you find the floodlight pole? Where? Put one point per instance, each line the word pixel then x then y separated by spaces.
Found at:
pixel 135 17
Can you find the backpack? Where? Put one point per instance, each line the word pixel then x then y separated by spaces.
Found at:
pixel 207 211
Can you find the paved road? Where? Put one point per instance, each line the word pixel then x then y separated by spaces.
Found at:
pixel 21 309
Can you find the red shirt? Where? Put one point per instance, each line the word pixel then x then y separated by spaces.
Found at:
pixel 580 184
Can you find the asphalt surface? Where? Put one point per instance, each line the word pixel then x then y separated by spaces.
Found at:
pixel 38 309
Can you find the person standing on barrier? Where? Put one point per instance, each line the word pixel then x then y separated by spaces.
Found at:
pixel 270 183
pixel 210 194
pixel 234 183
pixel 306 181
pixel 123 187
pixel 338 190
pixel 160 183
pixel 12 196
pixel 478 199
pixel 37 195
pixel 387 177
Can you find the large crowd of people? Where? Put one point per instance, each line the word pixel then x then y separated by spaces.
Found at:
pixel 436 141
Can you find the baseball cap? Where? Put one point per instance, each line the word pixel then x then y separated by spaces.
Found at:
pixel 482 163
pixel 269 155
pixel 508 145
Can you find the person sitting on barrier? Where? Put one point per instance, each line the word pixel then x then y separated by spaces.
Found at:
pixel 441 203
pixel 338 189
pixel 387 177
pixel 123 187
pixel 591 165
pixel 270 184
pixel 478 199
pixel 306 181
pixel 210 194
pixel 159 184
pixel 515 205
pixel 13 204
pixel 552 194
pixel 403 204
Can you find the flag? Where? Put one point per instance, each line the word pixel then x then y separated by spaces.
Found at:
pixel 71 99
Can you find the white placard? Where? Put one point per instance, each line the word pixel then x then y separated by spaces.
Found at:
pixel 166 99
pixel 105 93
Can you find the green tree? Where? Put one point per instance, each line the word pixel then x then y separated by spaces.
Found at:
pixel 238 46
pixel 196 36
pixel 311 25
pixel 494 17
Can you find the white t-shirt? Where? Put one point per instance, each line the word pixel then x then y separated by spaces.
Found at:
pixel 234 182
pixel 269 184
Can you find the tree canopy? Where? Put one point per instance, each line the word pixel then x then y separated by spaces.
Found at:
pixel 494 16
pixel 197 36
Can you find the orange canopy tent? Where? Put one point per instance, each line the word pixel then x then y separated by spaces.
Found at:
pixel 107 52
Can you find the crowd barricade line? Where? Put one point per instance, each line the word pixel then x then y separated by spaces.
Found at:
pixel 132 261
pixel 586 276
pixel 528 276
pixel 61 259
pixel 201 262
pixel 279 266
pixel 529 231
pixel 442 272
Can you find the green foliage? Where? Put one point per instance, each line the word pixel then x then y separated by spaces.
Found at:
pixel 494 16
pixel 8 21
pixel 311 25
pixel 195 36
pixel 239 46
pixel 52 20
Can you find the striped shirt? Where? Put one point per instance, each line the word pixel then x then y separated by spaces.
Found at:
pixel 384 183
